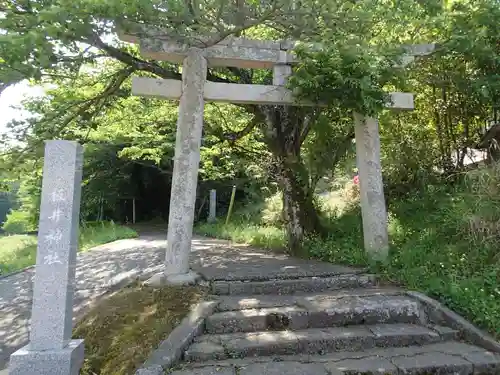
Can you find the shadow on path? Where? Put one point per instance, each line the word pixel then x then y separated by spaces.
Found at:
pixel 115 264
pixel 97 271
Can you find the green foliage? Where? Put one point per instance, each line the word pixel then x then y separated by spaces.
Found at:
pixel 19 222
pixel 255 235
pixel 5 205
pixel 349 76
pixel 272 211
pixel 444 243
pixel 24 218
pixel 16 252
pixel 19 251
pixel 92 235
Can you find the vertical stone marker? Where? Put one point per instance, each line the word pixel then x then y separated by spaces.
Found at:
pixel 212 213
pixel 185 174
pixel 51 350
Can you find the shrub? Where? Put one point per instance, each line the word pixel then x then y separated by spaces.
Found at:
pixel 19 222
pixel 272 213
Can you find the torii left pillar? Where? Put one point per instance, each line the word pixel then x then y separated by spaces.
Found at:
pixel 185 173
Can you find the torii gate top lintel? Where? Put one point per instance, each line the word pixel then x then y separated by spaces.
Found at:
pixel 239 52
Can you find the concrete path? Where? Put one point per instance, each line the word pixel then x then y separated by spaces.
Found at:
pixel 110 266
pixel 105 267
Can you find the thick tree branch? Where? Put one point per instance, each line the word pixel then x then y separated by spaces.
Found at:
pixel 308 122
pixel 132 61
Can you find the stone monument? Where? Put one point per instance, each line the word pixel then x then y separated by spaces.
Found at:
pixel 212 211
pixel 51 350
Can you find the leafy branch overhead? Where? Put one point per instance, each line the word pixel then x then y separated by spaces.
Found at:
pixel 72 48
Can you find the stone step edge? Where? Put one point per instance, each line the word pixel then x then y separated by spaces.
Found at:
pixel 284 276
pixel 292 286
pixel 305 315
pixel 243 302
pixel 313 340
pixel 461 357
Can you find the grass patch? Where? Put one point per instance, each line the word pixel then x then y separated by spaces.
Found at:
pixel 16 252
pixel 92 235
pixel 19 251
pixel 444 242
pixel 266 237
pixel 122 330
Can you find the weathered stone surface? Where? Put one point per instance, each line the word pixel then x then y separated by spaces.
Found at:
pixel 324 340
pixel 54 282
pixel 220 287
pixel 151 370
pixel 240 362
pixel 186 163
pixel 303 285
pixel 316 341
pixel 237 302
pixel 369 365
pixel 224 263
pixel 453 347
pixel 440 314
pixel 484 362
pixel 291 286
pixel 260 343
pixel 244 55
pixel 51 350
pixel 472 353
pixel 251 320
pixel 281 368
pixel 281 73
pixel 204 351
pixel 242 93
pixel 432 363
pixel 236 345
pixel 232 303
pixel 236 321
pixel 441 358
pixel 210 370
pixel 212 206
pixel 66 361
pixel 331 311
pixel 373 209
pixel 171 349
pixel 403 335
pixel 446 333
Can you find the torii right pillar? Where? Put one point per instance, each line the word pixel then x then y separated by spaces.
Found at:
pixel 373 208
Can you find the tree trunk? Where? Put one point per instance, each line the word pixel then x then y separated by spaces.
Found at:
pixel 300 214
pixel 286 130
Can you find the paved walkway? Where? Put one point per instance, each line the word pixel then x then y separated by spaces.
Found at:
pixel 111 265
pixel 97 272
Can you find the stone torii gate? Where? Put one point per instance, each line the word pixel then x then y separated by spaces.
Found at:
pixel 194 90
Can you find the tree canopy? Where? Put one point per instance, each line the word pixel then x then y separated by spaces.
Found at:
pixel 72 47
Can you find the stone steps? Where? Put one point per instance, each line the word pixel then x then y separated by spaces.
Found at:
pixel 312 341
pixel 317 311
pixel 332 325
pixel 241 302
pixel 449 357
pixel 293 285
